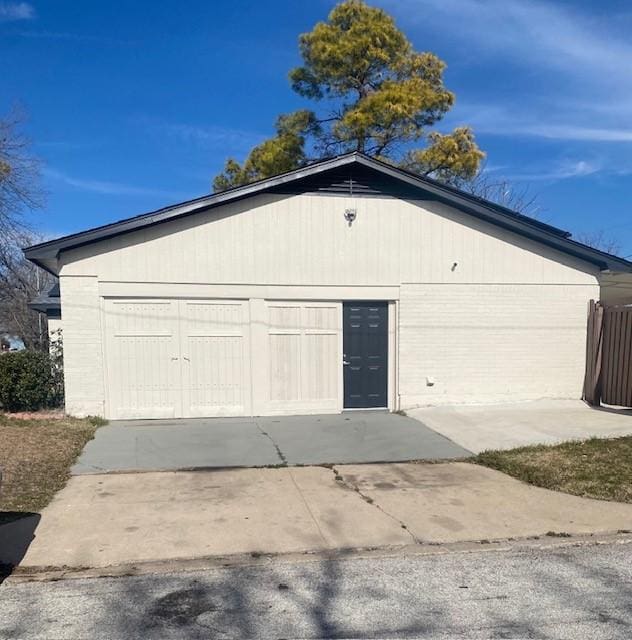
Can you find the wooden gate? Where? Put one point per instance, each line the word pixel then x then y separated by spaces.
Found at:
pixel 608 376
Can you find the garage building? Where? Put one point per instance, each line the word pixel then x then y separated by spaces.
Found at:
pixel 347 284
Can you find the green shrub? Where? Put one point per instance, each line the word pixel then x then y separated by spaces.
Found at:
pixel 26 381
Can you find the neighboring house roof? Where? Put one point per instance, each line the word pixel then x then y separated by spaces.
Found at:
pixel 48 302
pixel 353 172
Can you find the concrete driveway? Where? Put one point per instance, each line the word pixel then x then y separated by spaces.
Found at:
pixel 505 426
pixel 354 437
pixel 125 518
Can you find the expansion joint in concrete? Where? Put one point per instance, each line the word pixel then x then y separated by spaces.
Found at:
pixel 309 510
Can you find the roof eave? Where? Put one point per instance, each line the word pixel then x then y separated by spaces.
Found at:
pixel 49 265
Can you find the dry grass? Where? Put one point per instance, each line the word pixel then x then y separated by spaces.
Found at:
pixel 35 457
pixel 596 468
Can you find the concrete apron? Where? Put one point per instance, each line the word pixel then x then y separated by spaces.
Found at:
pixel 120 519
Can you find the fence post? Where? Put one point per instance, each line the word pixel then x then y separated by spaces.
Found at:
pixel 594 354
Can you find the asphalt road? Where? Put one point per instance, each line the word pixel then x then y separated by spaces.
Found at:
pixel 566 593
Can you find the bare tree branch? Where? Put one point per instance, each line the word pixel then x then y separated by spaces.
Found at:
pixel 503 192
pixel 20 189
pixel 20 192
pixel 600 240
pixel 20 282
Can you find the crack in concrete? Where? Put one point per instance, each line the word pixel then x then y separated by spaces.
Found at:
pixel 369 500
pixel 274 444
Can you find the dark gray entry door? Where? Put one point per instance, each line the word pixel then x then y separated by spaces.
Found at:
pixel 365 348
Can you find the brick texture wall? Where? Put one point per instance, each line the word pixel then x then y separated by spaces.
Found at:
pixel 83 355
pixel 478 343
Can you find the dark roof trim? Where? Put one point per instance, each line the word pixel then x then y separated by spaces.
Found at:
pixel 478 207
pixel 48 302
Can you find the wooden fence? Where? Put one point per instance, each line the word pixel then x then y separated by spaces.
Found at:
pixel 608 376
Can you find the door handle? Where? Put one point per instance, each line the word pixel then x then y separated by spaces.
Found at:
pixel 185 358
pixel 345 362
pixel 173 358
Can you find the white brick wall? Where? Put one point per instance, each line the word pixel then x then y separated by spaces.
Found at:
pixel 83 358
pixel 491 343
pixel 54 329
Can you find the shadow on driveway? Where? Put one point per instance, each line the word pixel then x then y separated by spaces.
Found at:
pixel 17 531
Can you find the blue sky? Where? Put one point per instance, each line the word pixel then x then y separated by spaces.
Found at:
pixel 134 105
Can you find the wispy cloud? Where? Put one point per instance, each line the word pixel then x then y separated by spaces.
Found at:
pixel 564 170
pixel 106 187
pixel 551 34
pixel 574 132
pixel 14 11
pixel 213 137
pixel 570 66
pixel 504 120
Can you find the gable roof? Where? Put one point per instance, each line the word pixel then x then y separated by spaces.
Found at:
pixel 344 173
pixel 48 302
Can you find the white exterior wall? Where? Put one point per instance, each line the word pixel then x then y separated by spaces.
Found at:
pixel 54 330
pixel 305 240
pixel 491 343
pixel 506 322
pixel 83 346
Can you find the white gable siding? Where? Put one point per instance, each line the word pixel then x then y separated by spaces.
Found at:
pixel 505 322
pixel 306 240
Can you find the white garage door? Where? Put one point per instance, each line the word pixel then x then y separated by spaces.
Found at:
pixel 215 363
pixel 176 358
pixel 142 348
pixel 304 357
pixel 168 358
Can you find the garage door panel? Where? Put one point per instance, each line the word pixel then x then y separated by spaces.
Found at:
pixel 215 367
pixel 215 377
pixel 321 319
pixel 304 356
pixel 214 317
pixel 320 379
pixel 142 365
pixel 285 367
pixel 284 317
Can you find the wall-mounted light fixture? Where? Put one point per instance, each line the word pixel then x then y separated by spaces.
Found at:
pixel 350 215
